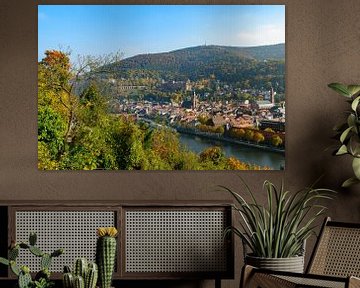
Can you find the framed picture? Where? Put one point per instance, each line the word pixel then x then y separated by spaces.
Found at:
pixel 161 87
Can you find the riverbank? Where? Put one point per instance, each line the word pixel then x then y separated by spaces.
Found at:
pixel 220 137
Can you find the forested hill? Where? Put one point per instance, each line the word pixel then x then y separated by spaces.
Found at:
pixel 226 63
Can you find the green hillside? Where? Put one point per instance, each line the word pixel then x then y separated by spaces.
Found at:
pixel 255 67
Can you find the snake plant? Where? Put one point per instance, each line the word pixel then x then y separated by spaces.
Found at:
pixel 279 228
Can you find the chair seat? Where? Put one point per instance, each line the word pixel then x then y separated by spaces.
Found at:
pixel 314 282
pixel 335 262
pixel 269 279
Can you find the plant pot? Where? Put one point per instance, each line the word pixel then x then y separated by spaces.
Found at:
pixel 291 264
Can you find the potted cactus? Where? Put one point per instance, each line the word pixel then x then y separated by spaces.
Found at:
pixel 106 254
pixel 42 278
pixel 84 275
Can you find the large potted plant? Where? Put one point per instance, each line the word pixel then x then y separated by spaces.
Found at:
pixel 275 233
pixel 349 131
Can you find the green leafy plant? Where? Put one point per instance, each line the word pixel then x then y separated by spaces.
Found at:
pixel 42 278
pixel 279 229
pixel 349 132
pixel 43 283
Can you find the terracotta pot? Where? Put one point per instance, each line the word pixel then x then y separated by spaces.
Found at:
pixel 291 264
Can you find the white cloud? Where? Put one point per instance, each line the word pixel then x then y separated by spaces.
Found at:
pixel 262 35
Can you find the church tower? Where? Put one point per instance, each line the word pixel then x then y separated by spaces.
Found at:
pixel 272 96
pixel 194 100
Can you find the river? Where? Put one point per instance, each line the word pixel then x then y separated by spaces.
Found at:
pixel 243 153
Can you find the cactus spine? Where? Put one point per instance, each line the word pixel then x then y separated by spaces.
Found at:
pixel 106 254
pixel 84 275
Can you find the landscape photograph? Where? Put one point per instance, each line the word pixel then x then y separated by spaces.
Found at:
pixel 161 87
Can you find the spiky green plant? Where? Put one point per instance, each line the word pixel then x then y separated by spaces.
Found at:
pixel 42 278
pixel 106 254
pixel 91 275
pixel 68 280
pixel 279 229
pixel 84 273
pixel 80 267
pixel 79 282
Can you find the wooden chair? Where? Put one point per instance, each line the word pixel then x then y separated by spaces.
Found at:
pixel 335 262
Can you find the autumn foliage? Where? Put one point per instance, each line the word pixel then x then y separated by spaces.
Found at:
pixel 77 131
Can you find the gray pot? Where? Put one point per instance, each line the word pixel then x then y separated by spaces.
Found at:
pixel 291 264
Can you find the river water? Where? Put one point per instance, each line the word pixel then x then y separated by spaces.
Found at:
pixel 243 153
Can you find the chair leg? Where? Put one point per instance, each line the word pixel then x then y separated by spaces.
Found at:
pixel 246 274
pixel 250 278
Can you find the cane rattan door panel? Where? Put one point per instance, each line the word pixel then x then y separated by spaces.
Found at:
pixel 74 231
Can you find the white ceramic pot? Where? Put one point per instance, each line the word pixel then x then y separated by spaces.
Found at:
pixel 291 264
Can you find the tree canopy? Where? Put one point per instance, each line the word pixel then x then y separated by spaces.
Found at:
pixel 77 131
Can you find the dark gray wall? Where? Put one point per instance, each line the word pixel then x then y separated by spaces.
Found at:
pixel 322 46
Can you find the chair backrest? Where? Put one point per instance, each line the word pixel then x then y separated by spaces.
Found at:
pixel 337 251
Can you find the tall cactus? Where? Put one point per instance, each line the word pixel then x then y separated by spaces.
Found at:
pixel 106 254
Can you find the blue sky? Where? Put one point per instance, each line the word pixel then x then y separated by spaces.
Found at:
pixel 137 29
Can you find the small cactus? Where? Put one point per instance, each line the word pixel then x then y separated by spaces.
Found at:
pixel 106 254
pixel 80 268
pixel 68 280
pixel 25 269
pixel 36 251
pixel 67 269
pixel 24 246
pixel 24 280
pixel 45 261
pixel 91 276
pixel 14 268
pixel 57 252
pixel 79 282
pixel 44 273
pixel 32 239
pixel 83 274
pixel 13 253
pixel 23 273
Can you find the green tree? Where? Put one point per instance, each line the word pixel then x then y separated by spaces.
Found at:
pixel 258 137
pixel 54 75
pixel 276 140
pixel 249 134
pixel 51 130
pixel 45 161
pixel 215 155
pixel 127 139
